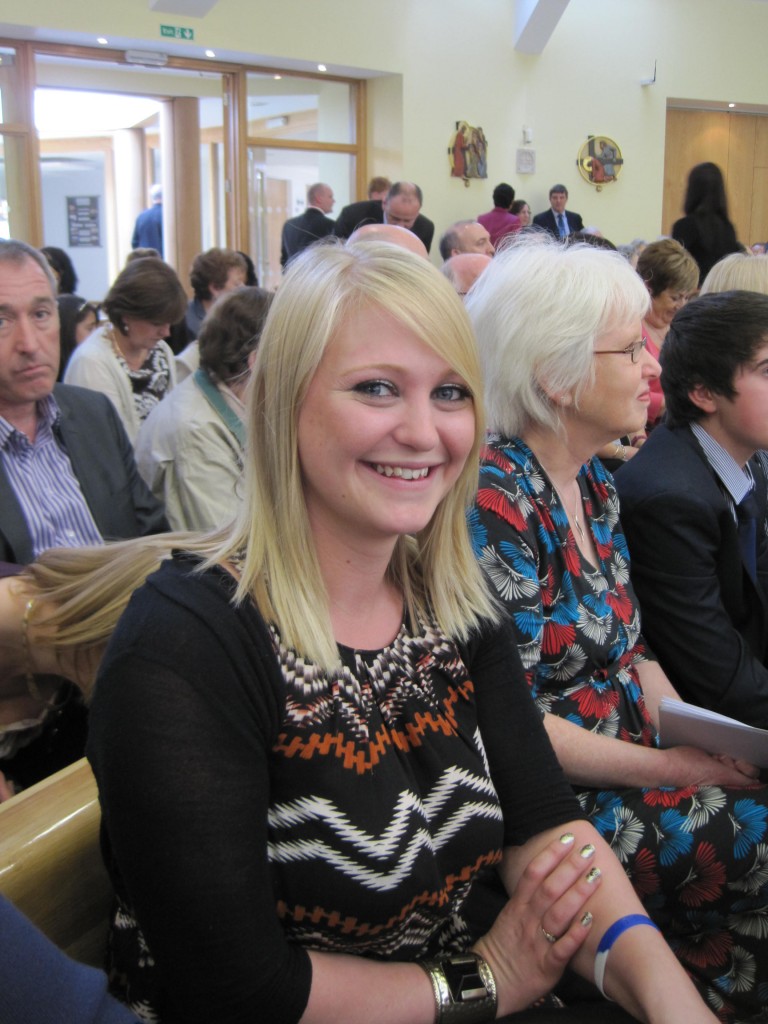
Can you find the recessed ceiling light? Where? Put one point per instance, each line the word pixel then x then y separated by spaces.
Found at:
pixel 209 53
pixel 321 67
pixel 102 41
pixel 731 105
pixel 277 77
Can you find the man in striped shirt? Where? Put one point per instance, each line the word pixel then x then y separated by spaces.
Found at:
pixel 67 477
pixel 67 472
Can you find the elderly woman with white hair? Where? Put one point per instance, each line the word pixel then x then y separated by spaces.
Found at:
pixel 566 367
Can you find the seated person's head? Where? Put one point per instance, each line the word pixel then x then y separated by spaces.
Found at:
pixel 465 236
pixel 231 332
pixel 62 267
pixel 715 356
pixel 390 233
pixel 326 292
pixel 145 290
pixel 216 271
pixel 463 269
pixel 670 274
pixel 538 310
pixel 143 253
pixel 738 271
pixel 503 196
pixel 378 188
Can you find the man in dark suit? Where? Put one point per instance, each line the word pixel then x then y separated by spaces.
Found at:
pixel 300 232
pixel 401 208
pixel 557 220
pixel 693 507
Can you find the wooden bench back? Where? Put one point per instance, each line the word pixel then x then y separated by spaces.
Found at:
pixel 50 862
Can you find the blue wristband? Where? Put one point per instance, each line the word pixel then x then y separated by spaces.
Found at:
pixel 609 937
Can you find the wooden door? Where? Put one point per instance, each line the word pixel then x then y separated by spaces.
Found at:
pixel 738 144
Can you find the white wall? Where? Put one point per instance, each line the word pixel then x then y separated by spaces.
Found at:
pixel 84 178
pixel 457 61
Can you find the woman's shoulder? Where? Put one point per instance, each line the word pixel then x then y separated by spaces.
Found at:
pixel 181 602
pixel 507 463
pixel 502 455
pixel 94 362
pixel 186 618
pixel 98 343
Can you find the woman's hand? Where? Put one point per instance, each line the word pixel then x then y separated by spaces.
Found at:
pixel 542 925
pixel 689 766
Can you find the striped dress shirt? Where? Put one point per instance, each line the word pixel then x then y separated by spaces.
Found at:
pixel 45 484
pixel 736 481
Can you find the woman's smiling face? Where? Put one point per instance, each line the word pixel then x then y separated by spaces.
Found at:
pixel 383 432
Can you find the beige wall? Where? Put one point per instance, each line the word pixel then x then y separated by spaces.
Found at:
pixel 457 61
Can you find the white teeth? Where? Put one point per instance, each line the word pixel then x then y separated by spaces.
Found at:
pixel 403 471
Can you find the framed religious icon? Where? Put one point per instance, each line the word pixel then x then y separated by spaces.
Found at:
pixel 599 161
pixel 468 152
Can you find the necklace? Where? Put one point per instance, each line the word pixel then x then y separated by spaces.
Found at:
pixel 573 515
pixel 578 524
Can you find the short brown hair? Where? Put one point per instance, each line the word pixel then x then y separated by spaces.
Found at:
pixel 146 289
pixel 212 268
pixel 666 264
pixel 378 184
pixel 231 331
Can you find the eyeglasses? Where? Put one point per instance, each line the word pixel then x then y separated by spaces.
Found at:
pixel 633 351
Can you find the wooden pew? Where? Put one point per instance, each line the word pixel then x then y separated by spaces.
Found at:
pixel 50 862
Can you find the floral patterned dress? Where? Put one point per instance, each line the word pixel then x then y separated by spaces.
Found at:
pixel 697 856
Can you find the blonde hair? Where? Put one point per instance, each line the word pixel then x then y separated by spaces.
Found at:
pixel 80 593
pixel 271 539
pixel 738 272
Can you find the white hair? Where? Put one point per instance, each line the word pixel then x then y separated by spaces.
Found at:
pixel 537 311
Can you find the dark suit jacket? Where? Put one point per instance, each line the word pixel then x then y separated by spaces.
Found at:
pixel 93 436
pixel 300 232
pixel 547 221
pixel 702 614
pixel 370 211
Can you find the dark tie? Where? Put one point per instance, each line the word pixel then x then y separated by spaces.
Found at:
pixel 746 512
pixel 563 225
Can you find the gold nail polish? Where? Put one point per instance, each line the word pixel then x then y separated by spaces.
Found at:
pixel 586 851
pixel 566 838
pixel 593 874
pixel 586 920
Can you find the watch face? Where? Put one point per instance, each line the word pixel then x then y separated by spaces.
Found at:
pixel 464 981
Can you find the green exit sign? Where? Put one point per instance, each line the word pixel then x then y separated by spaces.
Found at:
pixel 172 32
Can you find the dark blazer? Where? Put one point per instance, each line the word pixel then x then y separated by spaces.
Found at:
pixel 93 436
pixel 547 221
pixel 702 614
pixel 371 211
pixel 300 232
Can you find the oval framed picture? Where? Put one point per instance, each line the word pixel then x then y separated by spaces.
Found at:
pixel 600 161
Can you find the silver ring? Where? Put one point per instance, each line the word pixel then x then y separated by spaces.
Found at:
pixel 548 935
